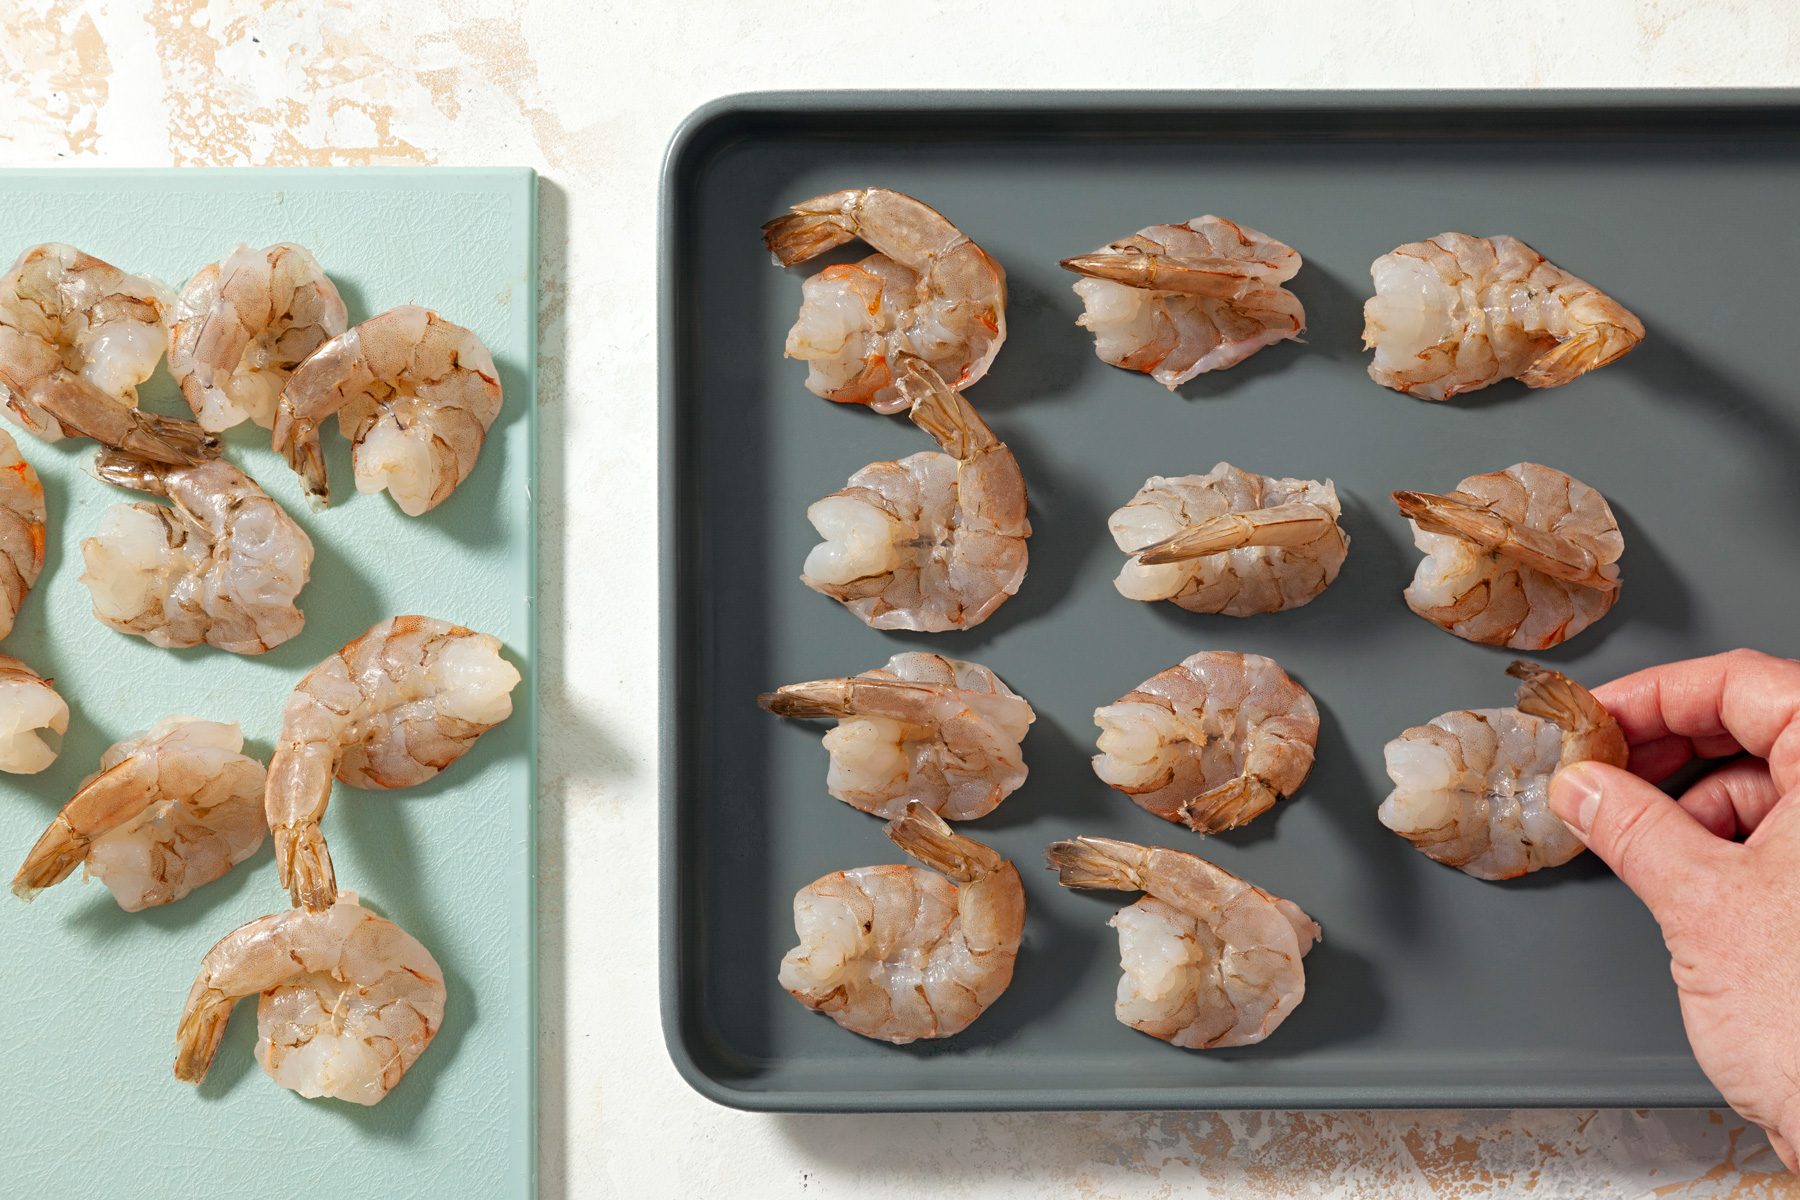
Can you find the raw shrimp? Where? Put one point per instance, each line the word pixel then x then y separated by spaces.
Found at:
pixel 1211 742
pixel 1230 541
pixel 22 527
pixel 29 708
pixel 414 393
pixel 169 810
pixel 1471 788
pixel 924 728
pixel 348 1001
pixel 1179 300
pixel 77 337
pixel 241 327
pixel 222 564
pixel 899 953
pixel 1525 558
pixel 934 541
pixel 1209 959
pixel 1456 313
pixel 389 710
pixel 929 293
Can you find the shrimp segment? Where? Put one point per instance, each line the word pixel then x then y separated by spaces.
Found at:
pixel 1178 300
pixel 924 728
pixel 222 564
pixel 77 337
pixel 1457 313
pixel 1210 743
pixel 169 810
pixel 29 708
pixel 414 393
pixel 389 710
pixel 348 1001
pixel 929 293
pixel 1471 788
pixel 934 541
pixel 22 530
pixel 1209 959
pixel 1526 557
pixel 1230 541
pixel 900 953
pixel 241 327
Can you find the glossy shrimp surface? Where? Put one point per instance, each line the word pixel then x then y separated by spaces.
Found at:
pixel 935 541
pixel 928 729
pixel 1471 788
pixel 1209 959
pixel 1175 301
pixel 900 953
pixel 22 530
pixel 33 718
pixel 347 1001
pixel 243 324
pixel 1456 313
pixel 1524 558
pixel 1230 541
pixel 928 293
pixel 169 810
pixel 389 710
pixel 1210 743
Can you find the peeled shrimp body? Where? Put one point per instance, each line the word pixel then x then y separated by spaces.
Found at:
pixel 939 731
pixel 221 564
pixel 930 293
pixel 22 529
pixel 1456 313
pixel 1209 959
pixel 899 953
pixel 1471 788
pixel 1211 742
pixel 389 710
pixel 29 708
pixel 1179 300
pixel 243 324
pixel 169 810
pixel 1525 558
pixel 934 541
pixel 414 393
pixel 1230 541
pixel 347 1001
pixel 77 337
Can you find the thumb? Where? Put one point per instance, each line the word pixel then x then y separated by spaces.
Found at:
pixel 1649 841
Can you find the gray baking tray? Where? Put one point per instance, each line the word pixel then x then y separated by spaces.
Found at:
pixel 1431 988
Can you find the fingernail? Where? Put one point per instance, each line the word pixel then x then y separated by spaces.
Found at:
pixel 1575 797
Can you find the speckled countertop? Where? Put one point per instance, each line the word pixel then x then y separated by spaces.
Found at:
pixel 588 93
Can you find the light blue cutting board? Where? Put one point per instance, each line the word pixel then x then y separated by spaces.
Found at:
pixel 87 1026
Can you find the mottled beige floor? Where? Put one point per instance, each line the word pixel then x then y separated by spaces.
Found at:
pixel 589 93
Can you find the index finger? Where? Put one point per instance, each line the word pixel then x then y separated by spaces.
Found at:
pixel 1746 697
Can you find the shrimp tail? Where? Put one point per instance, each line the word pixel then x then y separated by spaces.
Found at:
pixel 1099 863
pixel 303 861
pixel 927 837
pixel 197 1037
pixel 1459 515
pixel 55 856
pixel 943 412
pixel 1136 267
pixel 1281 525
pixel 83 410
pixel 297 440
pixel 1599 343
pixel 894 699
pixel 1228 805
pixel 121 469
pixel 1589 732
pixel 807 232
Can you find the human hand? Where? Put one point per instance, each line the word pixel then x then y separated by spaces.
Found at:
pixel 1729 910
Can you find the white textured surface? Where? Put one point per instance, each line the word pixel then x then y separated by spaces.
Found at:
pixel 589 93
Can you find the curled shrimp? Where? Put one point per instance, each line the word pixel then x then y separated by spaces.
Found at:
pixel 1179 300
pixel 1525 558
pixel 1471 789
pixel 414 393
pixel 347 1001
pixel 241 327
pixel 169 810
pixel 934 541
pixel 1210 743
pixel 77 337
pixel 900 953
pixel 1456 313
pixel 929 293
pixel 389 710
pixel 221 564
pixel 1230 541
pixel 29 708
pixel 22 529
pixel 1209 959
pixel 924 728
